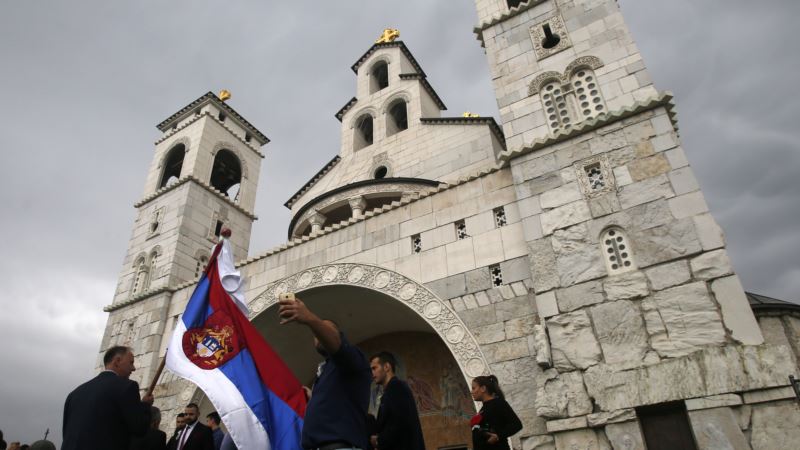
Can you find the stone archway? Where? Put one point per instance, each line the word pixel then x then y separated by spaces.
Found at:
pixel 437 314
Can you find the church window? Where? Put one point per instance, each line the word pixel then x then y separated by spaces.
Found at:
pixel 416 243
pixel 461 230
pixel 152 274
pixel 556 106
pixel 226 176
pixel 155 221
pixel 587 94
pixel 363 132
pixel 550 39
pixel 221 116
pixel 381 172
pixel 397 118
pixel 617 252
pixel 379 77
pixel 218 228
pixel 666 426
pixel 173 163
pixel 500 219
pixel 497 275
pixel 140 277
pixel 595 177
pixel 248 137
pixel 202 262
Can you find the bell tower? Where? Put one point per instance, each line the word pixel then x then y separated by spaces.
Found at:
pixel 203 176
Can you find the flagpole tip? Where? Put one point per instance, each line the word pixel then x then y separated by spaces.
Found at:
pixel 226 232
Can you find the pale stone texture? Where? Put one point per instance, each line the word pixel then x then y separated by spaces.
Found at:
pixel 572 423
pixel 577 257
pixel 541 345
pixel 769 395
pixel 717 429
pixel 711 265
pixel 546 304
pixel 715 401
pixel 668 275
pixel 664 243
pixel 626 286
pixel 572 341
pixel 736 312
pixel 625 436
pixel 562 395
pixel 620 330
pixel 543 259
pixel 565 216
pixel 682 319
pixel 577 439
pixel 709 232
pixel 544 442
pixel 603 418
pixel 580 295
pixel 775 426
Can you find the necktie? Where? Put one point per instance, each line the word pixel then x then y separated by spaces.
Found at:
pixel 184 435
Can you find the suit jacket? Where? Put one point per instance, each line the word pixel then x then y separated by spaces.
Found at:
pixel 398 421
pixel 200 438
pixel 104 413
pixel 154 440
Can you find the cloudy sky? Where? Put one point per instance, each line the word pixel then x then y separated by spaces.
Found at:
pixel 85 83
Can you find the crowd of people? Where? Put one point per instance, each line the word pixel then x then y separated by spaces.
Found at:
pixel 42 444
pixel 108 413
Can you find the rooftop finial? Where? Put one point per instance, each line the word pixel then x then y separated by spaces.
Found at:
pixel 389 35
pixel 470 114
pixel 224 95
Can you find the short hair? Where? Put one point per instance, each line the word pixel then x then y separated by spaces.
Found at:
pixel 113 352
pixel 385 357
pixel 155 414
pixel 181 415
pixel 213 415
pixel 193 405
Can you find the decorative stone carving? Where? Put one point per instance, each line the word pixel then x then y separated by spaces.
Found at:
pixel 591 62
pixel 357 205
pixel 317 219
pixel 595 176
pixel 557 28
pixel 573 343
pixel 439 315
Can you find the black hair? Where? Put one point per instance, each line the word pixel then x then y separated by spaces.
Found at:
pixel 193 405
pixel 113 352
pixel 213 415
pixel 385 357
pixel 490 383
pixel 181 414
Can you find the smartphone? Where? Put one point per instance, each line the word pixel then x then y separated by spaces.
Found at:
pixel 286 296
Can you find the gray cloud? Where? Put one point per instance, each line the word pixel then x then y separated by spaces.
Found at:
pixel 85 82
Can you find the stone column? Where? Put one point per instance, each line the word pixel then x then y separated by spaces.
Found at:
pixel 357 205
pixel 316 221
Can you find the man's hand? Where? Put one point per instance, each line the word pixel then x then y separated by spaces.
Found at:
pixel 295 311
pixel 492 438
pixel 148 399
pixel 374 440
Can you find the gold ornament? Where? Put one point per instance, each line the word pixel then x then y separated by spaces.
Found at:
pixel 224 95
pixel 389 35
pixel 470 114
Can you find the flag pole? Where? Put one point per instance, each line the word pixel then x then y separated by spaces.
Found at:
pixel 157 375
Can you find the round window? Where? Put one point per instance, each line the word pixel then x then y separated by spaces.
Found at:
pixel 381 172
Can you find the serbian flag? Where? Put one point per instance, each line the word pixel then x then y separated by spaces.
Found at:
pixel 214 346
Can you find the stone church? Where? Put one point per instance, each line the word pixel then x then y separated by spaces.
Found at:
pixel 566 248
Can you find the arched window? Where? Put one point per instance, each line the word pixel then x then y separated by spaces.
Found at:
pixel 202 262
pixel 379 77
pixel 617 252
pixel 152 273
pixel 226 176
pixel 139 277
pixel 172 165
pixel 555 106
pixel 587 94
pixel 363 132
pixel 397 118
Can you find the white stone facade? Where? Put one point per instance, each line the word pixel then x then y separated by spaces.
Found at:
pixel 582 326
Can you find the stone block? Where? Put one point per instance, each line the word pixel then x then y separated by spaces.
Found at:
pixel 724 371
pixel 479 279
pixel 450 287
pixel 665 142
pixel 775 426
pixel 736 312
pixel 767 366
pixel 482 298
pixel 489 334
pixel 575 439
pixel 668 275
pixel 478 316
pixel 519 327
pixel 543 442
pixel 572 342
pixel 546 304
pixel 769 395
pixel 622 176
pixel 714 401
pixel 645 191
pixel 620 330
pixel 708 232
pixel 565 216
pixel 515 307
pixel 541 345
pixel 682 319
pixel 626 286
pixel 625 436
pixel 644 168
pixel 516 370
pixel 560 196
pixel 664 243
pixel 518 288
pixel 574 423
pixel 683 181
pixel 559 396
pixel 506 350
pixel 604 205
pixel 458 304
pixel 543 264
pixel 577 257
pixel 516 269
pixel 580 295
pixel 688 205
pixel 603 418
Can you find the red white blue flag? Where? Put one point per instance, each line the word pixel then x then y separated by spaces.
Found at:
pixel 216 347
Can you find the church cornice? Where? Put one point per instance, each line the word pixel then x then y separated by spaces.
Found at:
pixel 346 108
pixel 206 98
pixel 219 122
pixel 493 126
pixel 138 298
pixel 497 18
pixel 395 44
pixel 204 185
pixel 318 176
pixel 426 85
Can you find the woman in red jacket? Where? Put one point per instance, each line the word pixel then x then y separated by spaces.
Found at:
pixel 496 421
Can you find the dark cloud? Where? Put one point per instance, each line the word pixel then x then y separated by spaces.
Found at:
pixel 85 82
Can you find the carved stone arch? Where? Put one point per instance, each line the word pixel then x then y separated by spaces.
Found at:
pixel 435 312
pixel 182 140
pixel 541 80
pixel 590 62
pixel 384 57
pixel 231 148
pixel 394 97
pixel 360 113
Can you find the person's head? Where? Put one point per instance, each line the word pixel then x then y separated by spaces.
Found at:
pixel 191 412
pixel 317 345
pixel 155 417
pixel 119 359
pixel 43 445
pixel 383 365
pixel 485 387
pixel 213 420
pixel 180 421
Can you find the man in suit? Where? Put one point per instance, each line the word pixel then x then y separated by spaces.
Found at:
pixel 195 435
pixel 154 439
pixel 213 420
pixel 106 411
pixel 397 424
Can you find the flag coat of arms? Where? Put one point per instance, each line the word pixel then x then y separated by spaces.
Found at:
pixel 217 348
